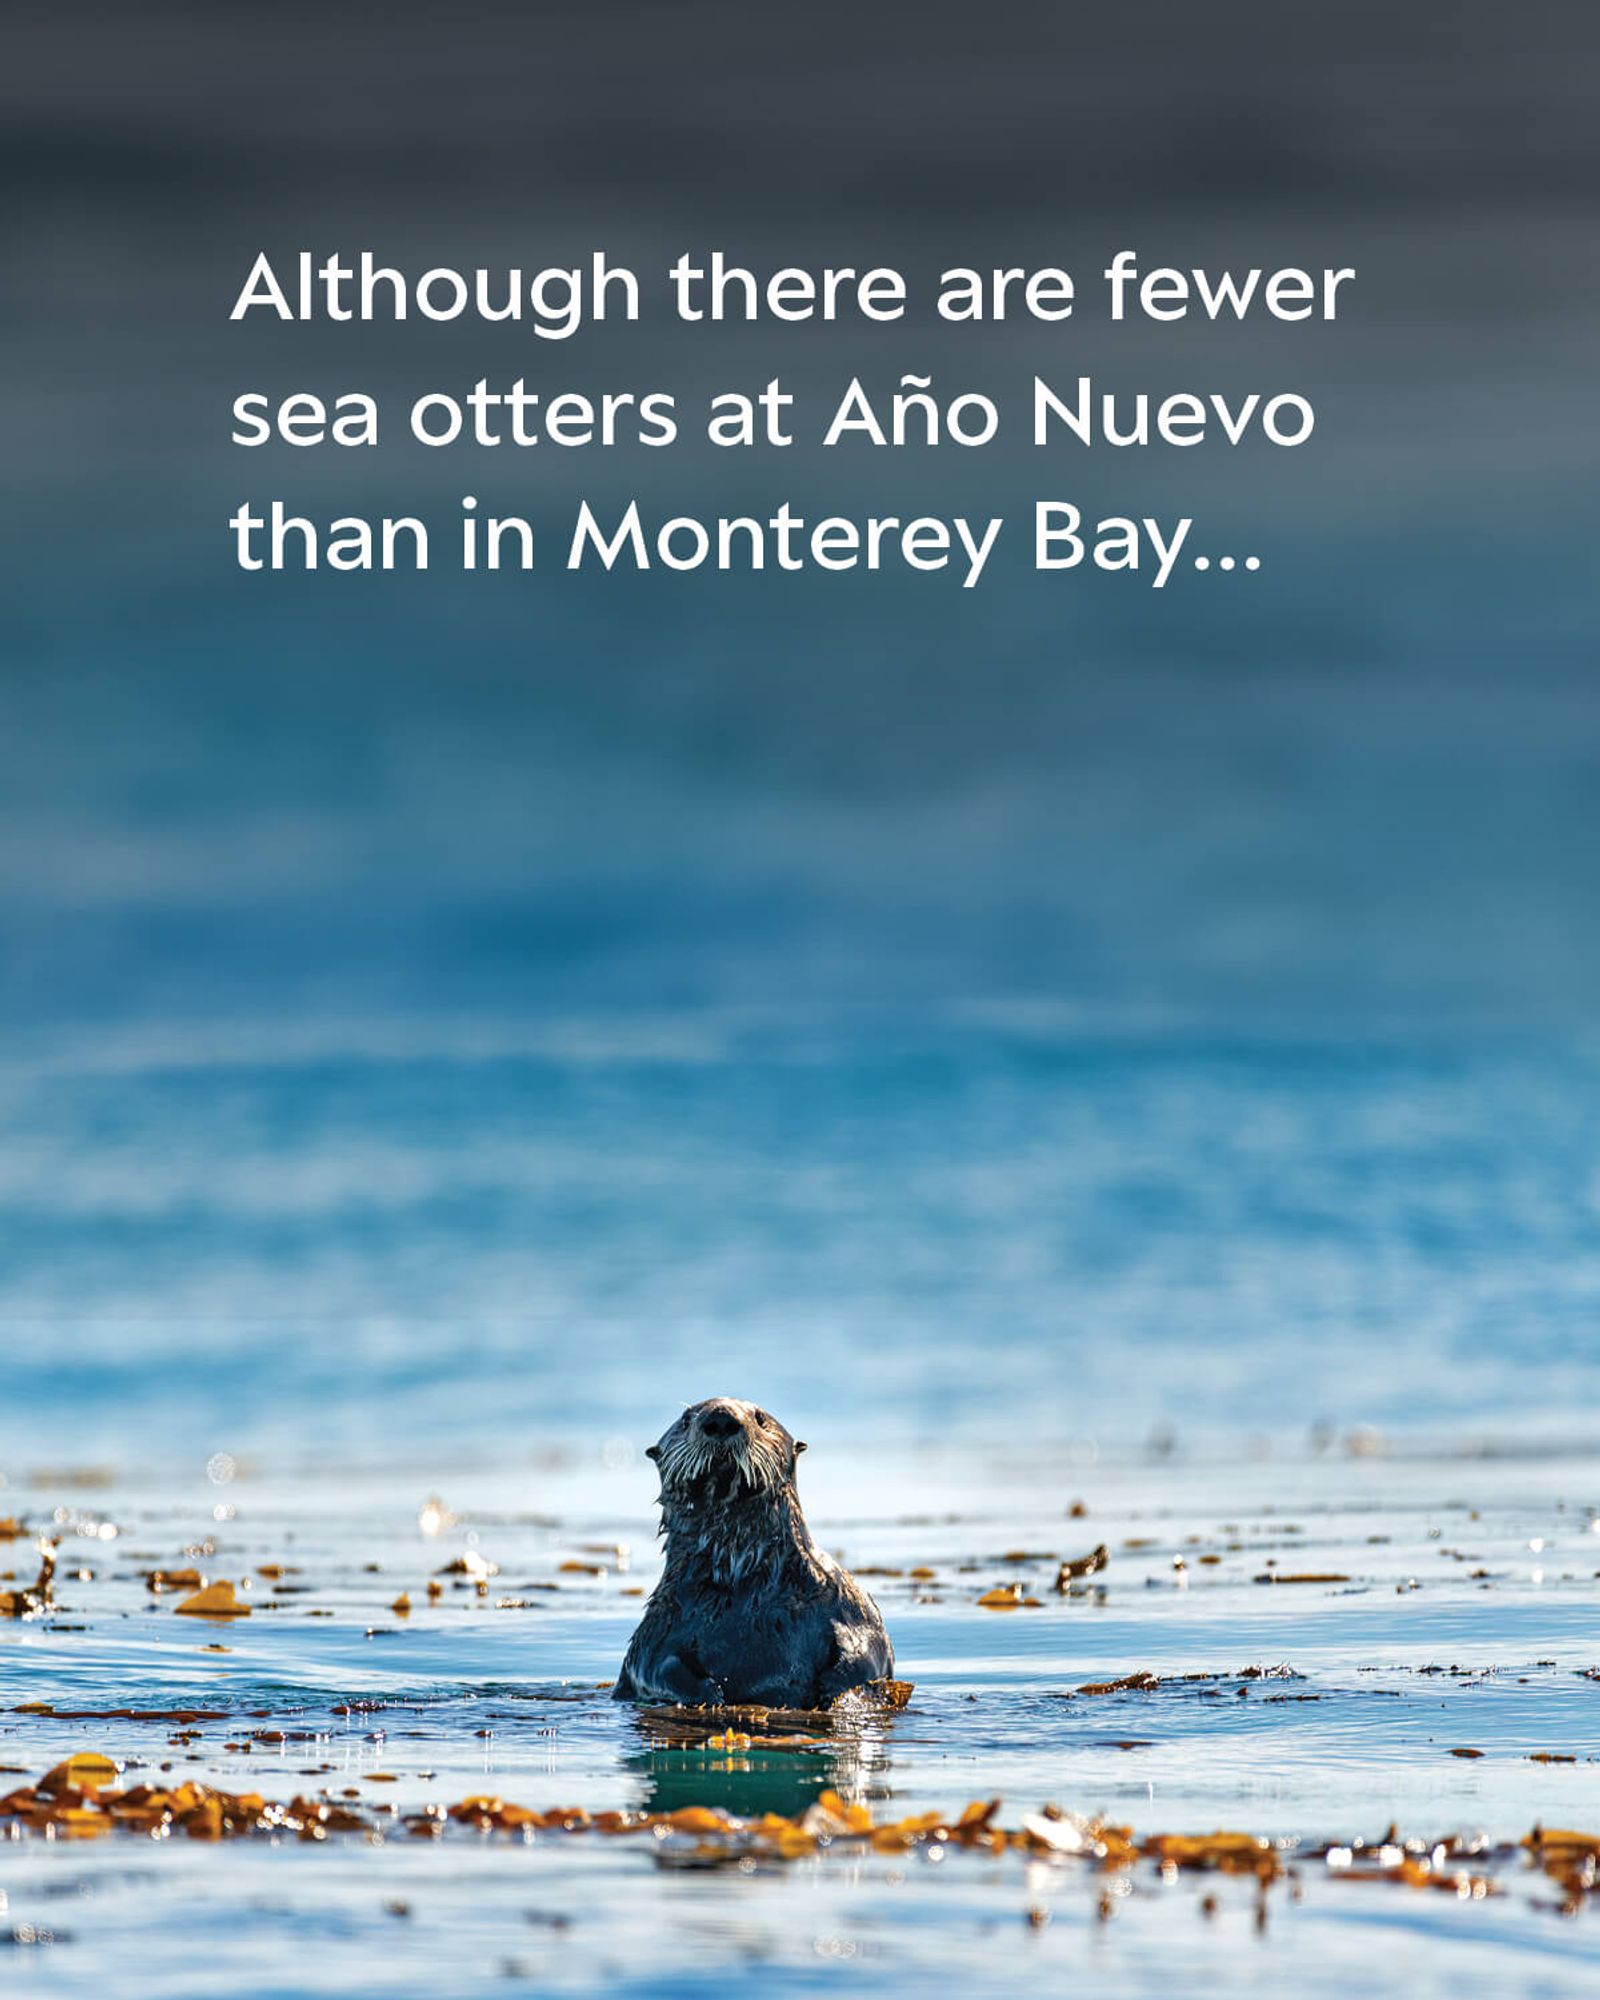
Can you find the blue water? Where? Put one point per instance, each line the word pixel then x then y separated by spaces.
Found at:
pixel 1167 1086
pixel 1318 1300
pixel 1059 1042
pixel 436 1235
pixel 1461 1617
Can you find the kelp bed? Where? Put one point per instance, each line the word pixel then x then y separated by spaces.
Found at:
pixel 83 1798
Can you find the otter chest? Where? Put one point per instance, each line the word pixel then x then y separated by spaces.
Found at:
pixel 753 1641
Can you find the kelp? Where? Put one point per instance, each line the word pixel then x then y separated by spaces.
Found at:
pixel 37 1596
pixel 1008 1597
pixel 1301 1576
pixel 1571 1860
pixel 1078 1568
pixel 83 1798
pixel 688 1726
pixel 214 1600
pixel 1144 1682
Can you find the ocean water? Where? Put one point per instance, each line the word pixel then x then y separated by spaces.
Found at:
pixel 1063 1042
pixel 1454 1613
pixel 1170 1091
pixel 434 1240
pixel 1310 1304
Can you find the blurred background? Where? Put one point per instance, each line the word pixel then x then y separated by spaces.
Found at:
pixel 446 1015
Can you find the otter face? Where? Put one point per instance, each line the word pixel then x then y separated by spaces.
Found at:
pixel 721 1446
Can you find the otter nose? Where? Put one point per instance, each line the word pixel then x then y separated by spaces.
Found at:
pixel 720 1424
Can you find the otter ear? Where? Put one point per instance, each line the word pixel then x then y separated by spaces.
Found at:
pixel 799 1447
pixel 652 1451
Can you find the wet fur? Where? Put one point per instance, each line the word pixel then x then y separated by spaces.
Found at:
pixel 748 1608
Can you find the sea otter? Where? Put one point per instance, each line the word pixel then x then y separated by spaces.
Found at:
pixel 748 1608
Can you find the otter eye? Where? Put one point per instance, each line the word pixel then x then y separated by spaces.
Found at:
pixel 762 1418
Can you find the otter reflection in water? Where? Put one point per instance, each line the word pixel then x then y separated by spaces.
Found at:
pixel 756 1776
pixel 748 1608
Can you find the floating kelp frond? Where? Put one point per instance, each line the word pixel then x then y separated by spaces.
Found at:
pixel 37 1596
pixel 1079 1567
pixel 688 1724
pixel 215 1600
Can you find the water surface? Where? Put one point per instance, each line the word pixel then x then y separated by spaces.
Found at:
pixel 1465 1621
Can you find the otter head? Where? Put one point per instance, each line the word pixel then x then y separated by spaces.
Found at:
pixel 723 1450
